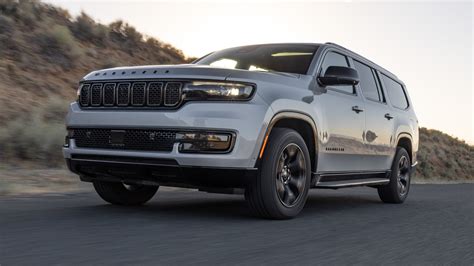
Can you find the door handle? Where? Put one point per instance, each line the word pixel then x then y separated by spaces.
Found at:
pixel 357 109
pixel 388 116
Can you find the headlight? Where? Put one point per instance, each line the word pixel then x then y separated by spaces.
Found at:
pixel 202 90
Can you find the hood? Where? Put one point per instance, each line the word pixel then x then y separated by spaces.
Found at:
pixel 192 71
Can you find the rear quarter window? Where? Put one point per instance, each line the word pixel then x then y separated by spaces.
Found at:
pixel 396 93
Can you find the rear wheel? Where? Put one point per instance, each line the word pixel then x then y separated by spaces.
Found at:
pixel 281 189
pixel 400 178
pixel 124 194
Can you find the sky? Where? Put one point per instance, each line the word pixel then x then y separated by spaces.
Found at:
pixel 428 45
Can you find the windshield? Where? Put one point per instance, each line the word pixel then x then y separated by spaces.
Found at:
pixel 290 58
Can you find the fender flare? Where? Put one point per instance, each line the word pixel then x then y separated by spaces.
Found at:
pixel 294 115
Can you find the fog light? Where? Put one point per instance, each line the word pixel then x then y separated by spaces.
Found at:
pixel 203 142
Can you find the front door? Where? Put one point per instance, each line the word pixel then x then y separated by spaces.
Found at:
pixel 343 122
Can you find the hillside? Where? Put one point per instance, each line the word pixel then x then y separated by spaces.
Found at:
pixel 443 157
pixel 44 52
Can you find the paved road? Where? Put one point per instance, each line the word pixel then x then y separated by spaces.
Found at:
pixel 351 226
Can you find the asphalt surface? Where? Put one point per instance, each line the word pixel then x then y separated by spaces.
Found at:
pixel 349 226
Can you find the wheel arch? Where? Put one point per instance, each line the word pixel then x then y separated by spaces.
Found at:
pixel 405 141
pixel 300 122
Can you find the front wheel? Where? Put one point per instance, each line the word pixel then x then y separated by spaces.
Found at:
pixel 281 189
pixel 396 191
pixel 124 194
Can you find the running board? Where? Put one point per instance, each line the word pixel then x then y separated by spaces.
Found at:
pixel 353 183
pixel 350 179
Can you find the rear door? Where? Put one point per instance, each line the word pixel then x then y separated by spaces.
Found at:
pixel 378 134
pixel 342 124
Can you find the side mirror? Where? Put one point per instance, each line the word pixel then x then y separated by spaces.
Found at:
pixel 338 75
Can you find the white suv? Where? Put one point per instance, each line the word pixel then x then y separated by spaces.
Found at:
pixel 269 120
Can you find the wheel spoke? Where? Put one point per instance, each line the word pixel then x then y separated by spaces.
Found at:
pixel 280 188
pixel 292 152
pixel 289 196
pixel 296 185
pixel 295 166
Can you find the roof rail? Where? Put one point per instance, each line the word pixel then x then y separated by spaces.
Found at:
pixel 344 48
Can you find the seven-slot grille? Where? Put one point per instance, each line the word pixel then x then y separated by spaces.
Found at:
pixel 131 94
pixel 131 139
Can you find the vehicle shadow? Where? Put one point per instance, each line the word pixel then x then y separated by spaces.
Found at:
pixel 233 207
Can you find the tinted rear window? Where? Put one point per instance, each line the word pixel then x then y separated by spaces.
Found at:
pixel 367 81
pixel 290 58
pixel 395 92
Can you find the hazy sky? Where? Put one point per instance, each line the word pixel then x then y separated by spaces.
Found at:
pixel 429 45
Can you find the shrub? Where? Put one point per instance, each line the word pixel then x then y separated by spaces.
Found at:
pixel 37 137
pixel 7 29
pixel 59 46
pixel 86 29
pixel 6 26
pixel 27 11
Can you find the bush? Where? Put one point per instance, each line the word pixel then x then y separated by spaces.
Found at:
pixel 59 46
pixel 6 26
pixel 38 137
pixel 86 29
pixel 7 29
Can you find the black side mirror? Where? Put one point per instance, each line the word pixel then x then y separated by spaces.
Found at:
pixel 338 75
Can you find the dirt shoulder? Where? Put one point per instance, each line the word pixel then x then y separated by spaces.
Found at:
pixel 31 180
pixel 14 181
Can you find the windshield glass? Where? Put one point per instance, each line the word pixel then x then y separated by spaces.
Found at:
pixel 290 58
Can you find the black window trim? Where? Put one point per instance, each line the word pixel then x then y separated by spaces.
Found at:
pixel 403 90
pixel 354 89
pixel 377 84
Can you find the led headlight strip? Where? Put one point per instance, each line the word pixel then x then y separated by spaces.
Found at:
pixel 206 90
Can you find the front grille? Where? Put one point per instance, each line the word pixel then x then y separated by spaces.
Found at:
pixel 172 93
pixel 138 94
pixel 133 139
pixel 123 94
pixel 84 97
pixel 109 94
pixel 96 94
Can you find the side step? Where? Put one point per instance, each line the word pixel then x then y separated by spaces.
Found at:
pixel 342 180
pixel 353 183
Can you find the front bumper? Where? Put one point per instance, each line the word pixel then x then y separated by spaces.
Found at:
pixel 248 120
pixel 164 172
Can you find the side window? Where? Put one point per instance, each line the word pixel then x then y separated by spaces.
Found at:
pixel 367 81
pixel 395 92
pixel 336 59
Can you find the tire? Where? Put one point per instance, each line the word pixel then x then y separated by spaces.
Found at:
pixel 281 188
pixel 121 194
pixel 396 191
